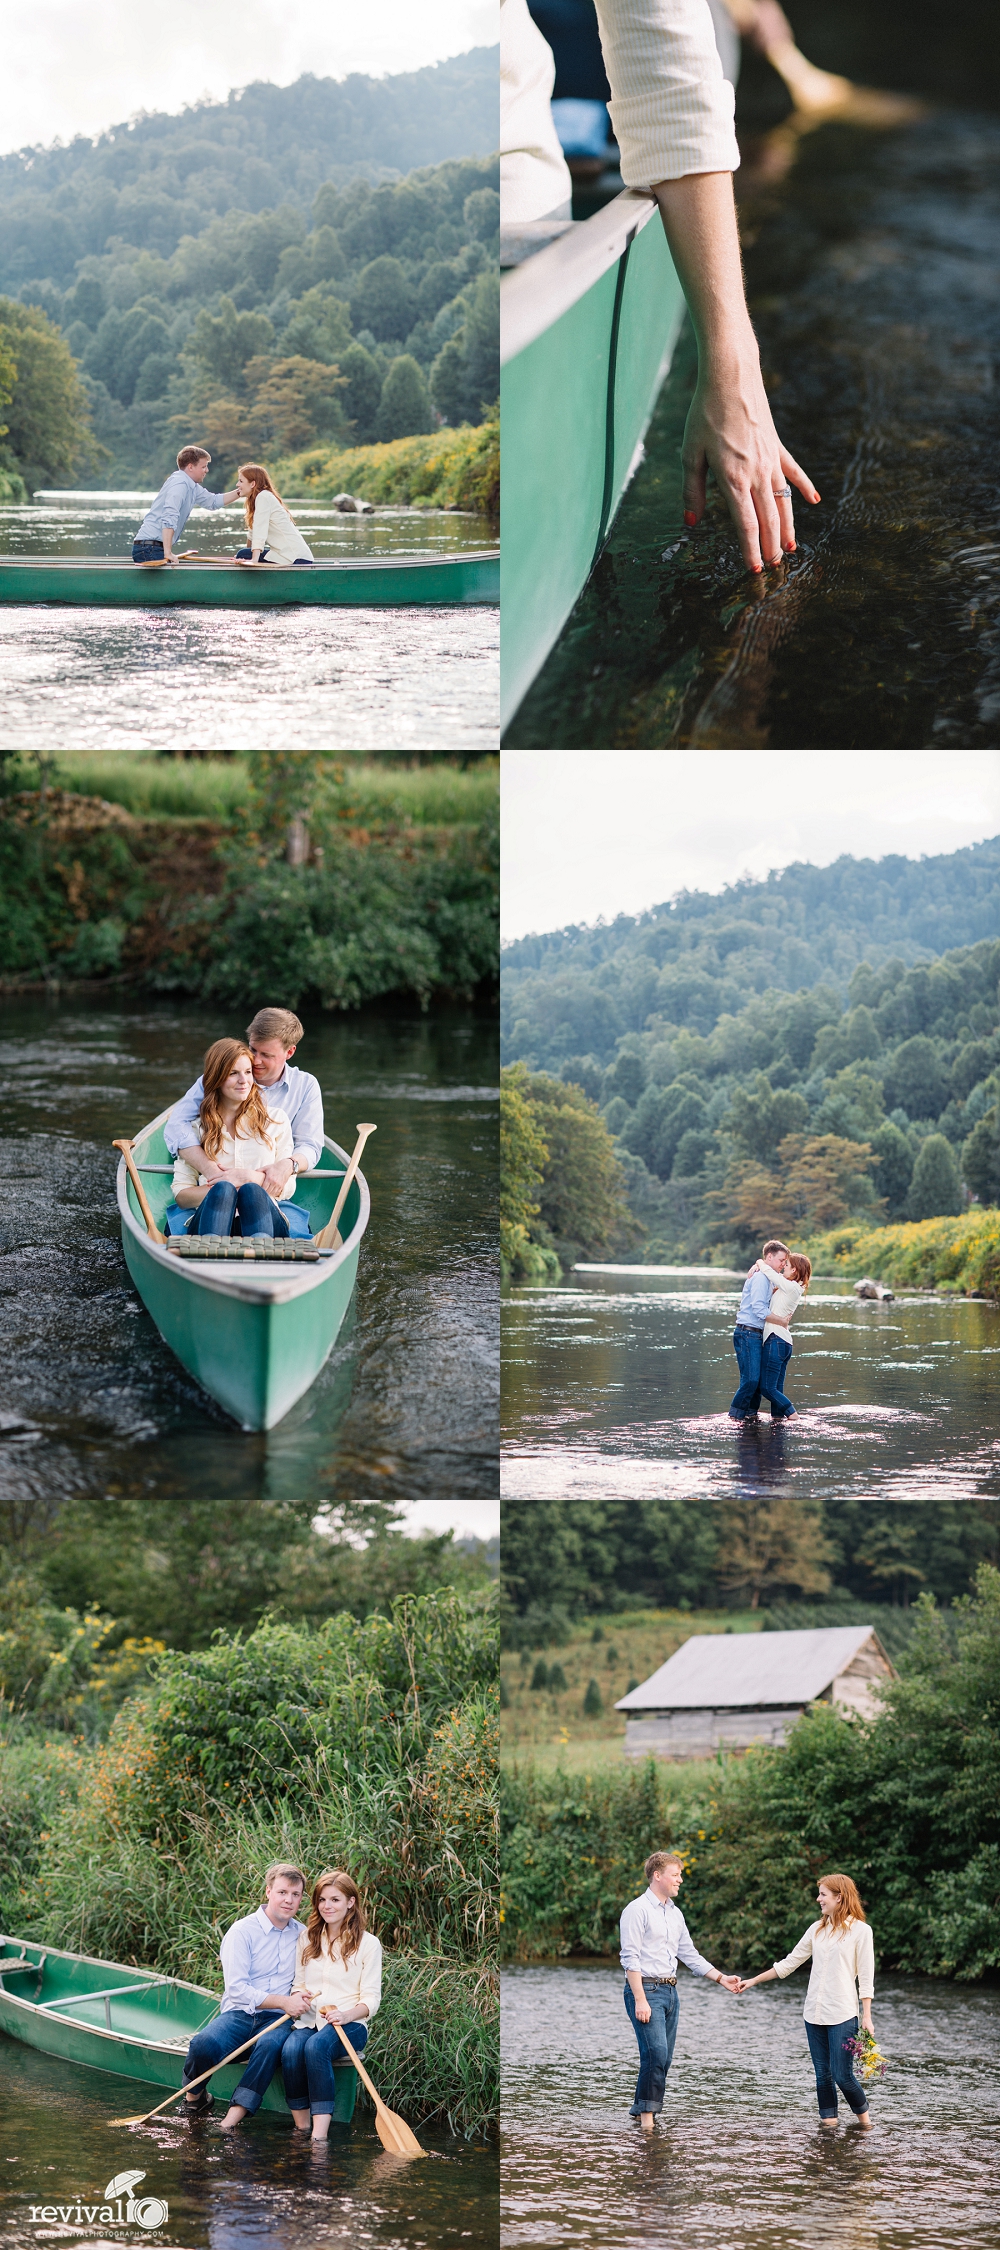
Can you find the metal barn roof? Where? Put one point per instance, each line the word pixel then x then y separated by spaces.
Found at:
pixel 734 1669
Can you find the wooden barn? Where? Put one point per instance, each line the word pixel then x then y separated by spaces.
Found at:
pixel 726 1690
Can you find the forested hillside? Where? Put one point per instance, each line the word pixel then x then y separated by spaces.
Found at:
pixel 788 1057
pixel 256 273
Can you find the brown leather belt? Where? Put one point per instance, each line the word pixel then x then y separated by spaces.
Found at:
pixel 659 1980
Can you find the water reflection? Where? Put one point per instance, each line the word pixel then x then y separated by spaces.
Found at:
pixel 94 1404
pixel 619 1387
pixel 738 2157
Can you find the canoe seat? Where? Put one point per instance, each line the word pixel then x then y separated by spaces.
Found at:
pixel 12 1968
pixel 228 1246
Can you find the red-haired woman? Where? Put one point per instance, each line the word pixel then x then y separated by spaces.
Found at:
pixel 273 537
pixel 236 1130
pixel 339 1963
pixel 842 1952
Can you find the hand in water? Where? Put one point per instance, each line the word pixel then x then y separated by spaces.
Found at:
pixel 730 430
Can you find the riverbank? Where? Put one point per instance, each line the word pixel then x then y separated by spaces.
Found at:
pixel 370 1742
pixel 957 1257
pixel 389 896
pixel 450 468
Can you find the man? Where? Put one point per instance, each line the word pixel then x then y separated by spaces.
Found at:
pixel 165 520
pixel 272 1039
pixel 258 1960
pixel 654 1938
pixel 748 1335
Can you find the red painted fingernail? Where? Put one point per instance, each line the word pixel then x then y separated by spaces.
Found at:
pixel 790 550
pixel 689 516
pixel 757 568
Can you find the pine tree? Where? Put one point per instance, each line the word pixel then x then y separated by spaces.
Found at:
pixel 540 1675
pixel 592 1704
pixel 405 406
pixel 935 1189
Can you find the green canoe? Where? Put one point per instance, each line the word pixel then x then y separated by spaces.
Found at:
pixel 588 327
pixel 395 582
pixel 68 2004
pixel 253 1335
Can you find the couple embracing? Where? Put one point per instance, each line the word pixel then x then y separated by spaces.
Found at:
pixel 773 1288
pixel 838 1945
pixel 292 1987
pixel 273 538
pixel 243 1133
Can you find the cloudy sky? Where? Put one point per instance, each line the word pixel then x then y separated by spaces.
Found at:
pixel 76 66
pixel 605 832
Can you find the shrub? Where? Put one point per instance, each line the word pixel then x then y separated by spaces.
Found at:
pixel 540 1676
pixel 592 1704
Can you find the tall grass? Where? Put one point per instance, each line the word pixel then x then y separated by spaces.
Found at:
pixel 370 794
pixel 448 469
pixel 959 1254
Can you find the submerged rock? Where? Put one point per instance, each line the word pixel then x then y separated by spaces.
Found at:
pixel 349 506
pixel 879 1289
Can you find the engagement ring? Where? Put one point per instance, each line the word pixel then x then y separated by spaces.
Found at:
pixel 785 493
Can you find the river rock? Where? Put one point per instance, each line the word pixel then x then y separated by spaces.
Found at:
pixel 879 1289
pixel 349 506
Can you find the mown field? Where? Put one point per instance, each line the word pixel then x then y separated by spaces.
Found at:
pixel 548 1725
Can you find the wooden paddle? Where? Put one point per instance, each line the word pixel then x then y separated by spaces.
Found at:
pixel 193 2082
pixel 393 2132
pixel 151 1227
pixel 329 1238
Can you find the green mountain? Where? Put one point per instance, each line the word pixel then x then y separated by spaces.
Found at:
pixel 248 272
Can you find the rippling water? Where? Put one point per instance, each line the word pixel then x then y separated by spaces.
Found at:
pixel 366 679
pixel 256 2190
pixel 94 1403
pixel 618 1384
pixel 738 2157
pixel 871 260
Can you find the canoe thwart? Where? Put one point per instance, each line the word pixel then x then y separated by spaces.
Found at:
pixel 231 1246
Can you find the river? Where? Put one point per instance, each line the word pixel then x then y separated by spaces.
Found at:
pixel 617 1386
pixel 96 1408
pixel 871 273
pixel 260 2189
pixel 738 2157
pixel 289 679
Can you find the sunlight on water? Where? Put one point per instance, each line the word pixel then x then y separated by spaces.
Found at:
pixel 313 678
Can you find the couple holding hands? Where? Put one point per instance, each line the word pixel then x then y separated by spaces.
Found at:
pixel 838 1944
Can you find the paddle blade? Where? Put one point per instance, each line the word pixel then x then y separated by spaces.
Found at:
pixel 395 2134
pixel 114 2122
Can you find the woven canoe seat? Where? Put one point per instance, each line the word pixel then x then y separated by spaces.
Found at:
pixel 256 1247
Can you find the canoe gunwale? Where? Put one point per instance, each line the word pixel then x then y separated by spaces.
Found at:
pixel 537 294
pixel 249 1285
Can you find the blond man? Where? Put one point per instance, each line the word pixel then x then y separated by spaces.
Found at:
pixel 272 1038
pixel 655 1937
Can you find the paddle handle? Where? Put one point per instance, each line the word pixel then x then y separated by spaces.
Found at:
pixel 151 1226
pixel 327 1237
pixel 360 2068
pixel 193 2082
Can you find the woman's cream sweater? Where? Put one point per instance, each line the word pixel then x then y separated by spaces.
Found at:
pixel 843 1970
pixel 335 1983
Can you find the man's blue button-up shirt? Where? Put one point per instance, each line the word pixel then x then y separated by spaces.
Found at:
pixel 173 504
pixel 755 1302
pixel 296 1095
pixel 257 1958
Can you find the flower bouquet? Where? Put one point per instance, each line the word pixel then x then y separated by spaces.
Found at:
pixel 866 2056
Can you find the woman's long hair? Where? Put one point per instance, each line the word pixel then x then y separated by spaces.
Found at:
pixel 353 1926
pixel 261 482
pixel 848 1907
pixel 801 1268
pixel 219 1061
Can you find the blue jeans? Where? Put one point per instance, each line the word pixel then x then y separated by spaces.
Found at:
pixel 245 554
pixel 773 1362
pixel 656 2044
pixel 307 2064
pixel 216 2040
pixel 147 550
pixel 747 1344
pixel 833 2066
pixel 224 1203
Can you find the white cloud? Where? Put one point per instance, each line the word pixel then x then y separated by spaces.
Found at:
pixel 78 66
pixel 605 832
pixel 467 1519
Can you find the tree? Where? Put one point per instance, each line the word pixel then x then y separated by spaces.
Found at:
pixel 895 1168
pixel 465 376
pixel 225 345
pixel 886 1553
pixel 582 1199
pixel 916 1079
pixel 405 406
pixel 981 1158
pixel 592 1703
pixel 46 415
pixel 825 1178
pixel 760 1117
pixel 764 1545
pixel 383 301
pixel 363 390
pixel 935 1189
pixel 523 1155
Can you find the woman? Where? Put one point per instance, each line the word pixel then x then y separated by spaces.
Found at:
pixel 842 1953
pixel 272 534
pixel 776 1352
pixel 239 1134
pixel 339 1963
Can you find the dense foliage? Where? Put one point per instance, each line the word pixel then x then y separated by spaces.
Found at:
pixel 258 276
pixel 457 469
pixel 780 1060
pixel 369 1745
pixel 909 1804
pixel 400 905
pixel 581 1210
pixel 564 1559
pixel 45 434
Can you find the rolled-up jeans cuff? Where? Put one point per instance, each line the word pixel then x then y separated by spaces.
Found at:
pixel 245 2098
